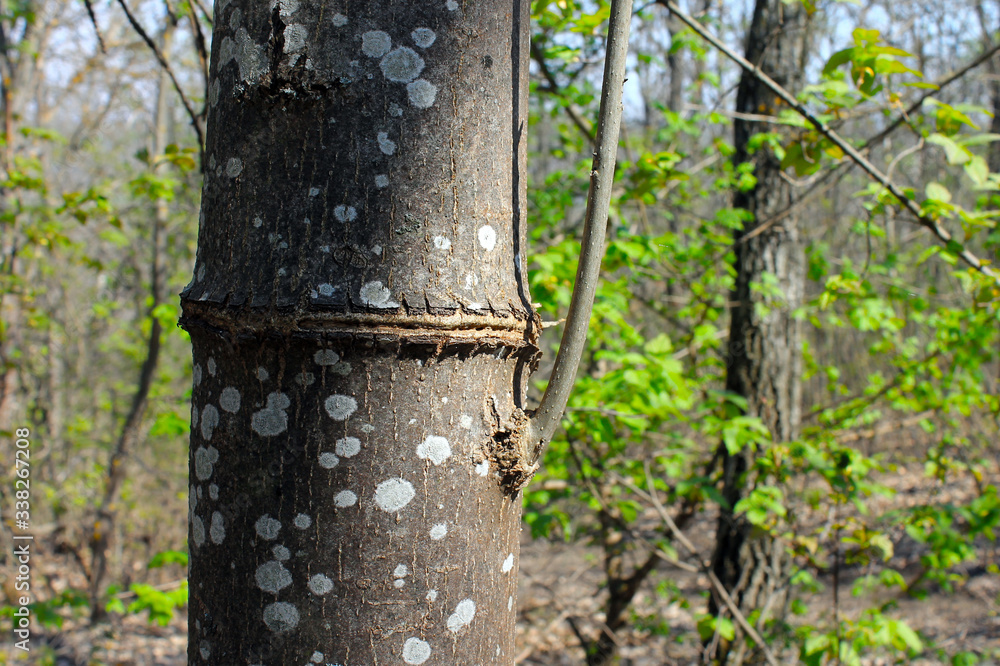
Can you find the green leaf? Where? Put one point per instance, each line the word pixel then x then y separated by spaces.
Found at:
pixel 937 192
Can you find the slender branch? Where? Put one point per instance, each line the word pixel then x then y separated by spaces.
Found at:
pixel 833 176
pixel 93 21
pixel 571 110
pixel 706 568
pixel 546 418
pixel 866 165
pixel 195 120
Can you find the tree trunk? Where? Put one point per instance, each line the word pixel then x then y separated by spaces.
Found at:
pixel 765 363
pixel 362 335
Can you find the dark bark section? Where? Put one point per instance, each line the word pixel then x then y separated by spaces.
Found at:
pixel 362 335
pixel 765 365
pixel 329 185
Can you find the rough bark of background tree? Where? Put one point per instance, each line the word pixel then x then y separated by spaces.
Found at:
pixel 765 364
pixel 362 333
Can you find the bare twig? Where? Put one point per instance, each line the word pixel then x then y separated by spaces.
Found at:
pixel 195 119
pixel 706 568
pixel 546 418
pixel 93 21
pixel 853 153
pixel 571 109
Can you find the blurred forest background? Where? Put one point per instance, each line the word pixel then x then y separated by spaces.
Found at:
pixel 862 473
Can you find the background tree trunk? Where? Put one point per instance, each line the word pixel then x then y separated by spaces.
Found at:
pixel 765 363
pixel 362 334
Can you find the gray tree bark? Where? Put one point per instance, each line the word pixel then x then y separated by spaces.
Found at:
pixel 765 363
pixel 362 335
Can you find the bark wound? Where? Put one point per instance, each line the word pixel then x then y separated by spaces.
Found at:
pixel 509 449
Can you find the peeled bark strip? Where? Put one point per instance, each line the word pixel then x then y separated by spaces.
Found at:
pixel 362 335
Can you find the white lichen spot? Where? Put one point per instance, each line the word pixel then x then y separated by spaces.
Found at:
pixel 399 583
pixel 412 421
pixel 272 420
pixel 416 651
pixel 287 7
pixel 234 167
pixel 326 289
pixel 381 181
pixel 273 577
pixel 402 65
pixel 483 468
pixel 313 192
pixel 197 530
pixel 281 553
pixel 451 5
pixel 204 459
pixel 263 374
pixel 344 499
pixel 487 237
pixel 320 584
pixel 439 531
pixel 432 595
pixel 393 494
pixel 339 407
pixel 196 374
pixel 464 612
pixel 305 378
pixel 257 222
pixel 339 20
pixel 209 419
pixel 205 650
pixel 377 250
pixel 230 400
pixel 192 500
pixel 213 492
pixel 328 460
pixel 423 37
pixel 435 448
pixel 395 110
pixel 375 295
pixel 401 571
pixel 444 400
pixel 508 563
pixel 248 55
pixel 348 447
pixel 510 602
pixel 316 657
pixel 442 243
pixel 326 357
pixel 368 428
pixel 302 521
pixel 295 38
pixel 375 43
pixel 212 367
pixel 217 530
pixel 194 416
pixel 344 213
pixel 385 144
pixel 267 527
pixel 421 93
pixel 281 616
pixel 213 92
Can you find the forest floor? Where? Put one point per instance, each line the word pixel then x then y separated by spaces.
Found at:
pixel 561 582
